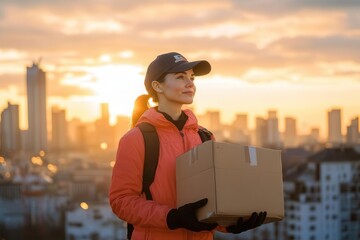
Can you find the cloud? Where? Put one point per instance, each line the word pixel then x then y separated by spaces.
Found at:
pixel 7 80
pixel 286 7
pixel 55 87
pixel 331 48
pixel 235 36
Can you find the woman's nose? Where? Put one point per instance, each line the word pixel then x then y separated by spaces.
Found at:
pixel 189 81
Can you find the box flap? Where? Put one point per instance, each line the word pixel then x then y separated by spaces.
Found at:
pixel 196 160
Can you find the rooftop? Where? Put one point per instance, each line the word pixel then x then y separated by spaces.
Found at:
pixel 335 155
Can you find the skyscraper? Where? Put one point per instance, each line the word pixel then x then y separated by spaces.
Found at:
pixel 36 97
pixel 290 132
pixel 59 140
pixel 334 126
pixel 260 131
pixel 352 134
pixel 10 130
pixel 104 132
pixel 241 122
pixel 213 118
pixel 273 134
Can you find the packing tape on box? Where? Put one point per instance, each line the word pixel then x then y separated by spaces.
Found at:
pixel 193 155
pixel 252 155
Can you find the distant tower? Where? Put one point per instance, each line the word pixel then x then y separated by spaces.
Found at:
pixel 105 113
pixel 59 140
pixel 290 132
pixel 334 126
pixel 352 134
pixel 10 130
pixel 260 131
pixel 273 133
pixel 36 97
pixel 105 134
pixel 241 122
pixel 213 118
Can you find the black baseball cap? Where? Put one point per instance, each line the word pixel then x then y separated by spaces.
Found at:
pixel 173 62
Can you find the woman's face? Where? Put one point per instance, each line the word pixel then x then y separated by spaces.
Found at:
pixel 178 87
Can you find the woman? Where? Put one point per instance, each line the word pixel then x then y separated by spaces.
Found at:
pixel 169 81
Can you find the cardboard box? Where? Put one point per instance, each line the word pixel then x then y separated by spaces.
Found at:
pixel 236 179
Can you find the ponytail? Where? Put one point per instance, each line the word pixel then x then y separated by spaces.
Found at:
pixel 140 106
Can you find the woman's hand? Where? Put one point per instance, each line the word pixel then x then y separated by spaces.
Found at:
pixel 185 217
pixel 254 221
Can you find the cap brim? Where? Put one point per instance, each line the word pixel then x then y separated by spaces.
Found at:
pixel 200 68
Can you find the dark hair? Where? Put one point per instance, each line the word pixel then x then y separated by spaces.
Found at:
pixel 142 102
pixel 140 106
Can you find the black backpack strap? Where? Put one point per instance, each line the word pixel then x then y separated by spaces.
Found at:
pixel 151 141
pixel 205 134
pixel 130 229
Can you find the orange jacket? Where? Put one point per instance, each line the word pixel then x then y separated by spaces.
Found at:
pixel 126 199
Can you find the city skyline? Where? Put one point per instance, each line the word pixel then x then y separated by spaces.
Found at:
pixel 251 120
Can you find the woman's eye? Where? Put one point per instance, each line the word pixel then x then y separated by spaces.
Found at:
pixel 183 76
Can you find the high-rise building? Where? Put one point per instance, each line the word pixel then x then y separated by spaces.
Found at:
pixel 352 133
pixel 315 133
pixel 273 133
pixel 260 131
pixel 239 131
pixel 104 132
pixel 105 112
pixel 59 139
pixel 10 130
pixel 241 122
pixel 321 199
pixel 290 133
pixel 213 118
pixel 36 100
pixel 334 127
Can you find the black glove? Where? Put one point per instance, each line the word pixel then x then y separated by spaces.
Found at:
pixel 185 217
pixel 254 221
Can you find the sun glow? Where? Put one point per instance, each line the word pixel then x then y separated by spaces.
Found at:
pixel 118 85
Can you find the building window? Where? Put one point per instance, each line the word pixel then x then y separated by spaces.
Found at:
pixel 75 224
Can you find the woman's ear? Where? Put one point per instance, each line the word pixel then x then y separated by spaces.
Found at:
pixel 157 86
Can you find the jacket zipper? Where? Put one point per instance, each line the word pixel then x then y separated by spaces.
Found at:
pixel 183 140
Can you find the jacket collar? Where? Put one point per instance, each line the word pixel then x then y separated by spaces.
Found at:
pixel 158 120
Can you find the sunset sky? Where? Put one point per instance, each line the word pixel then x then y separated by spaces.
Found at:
pixel 301 58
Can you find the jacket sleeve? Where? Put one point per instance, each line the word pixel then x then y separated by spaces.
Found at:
pixel 126 199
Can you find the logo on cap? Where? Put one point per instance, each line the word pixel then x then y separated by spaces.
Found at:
pixel 179 58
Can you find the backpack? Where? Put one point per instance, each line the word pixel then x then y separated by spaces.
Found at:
pixel 151 141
